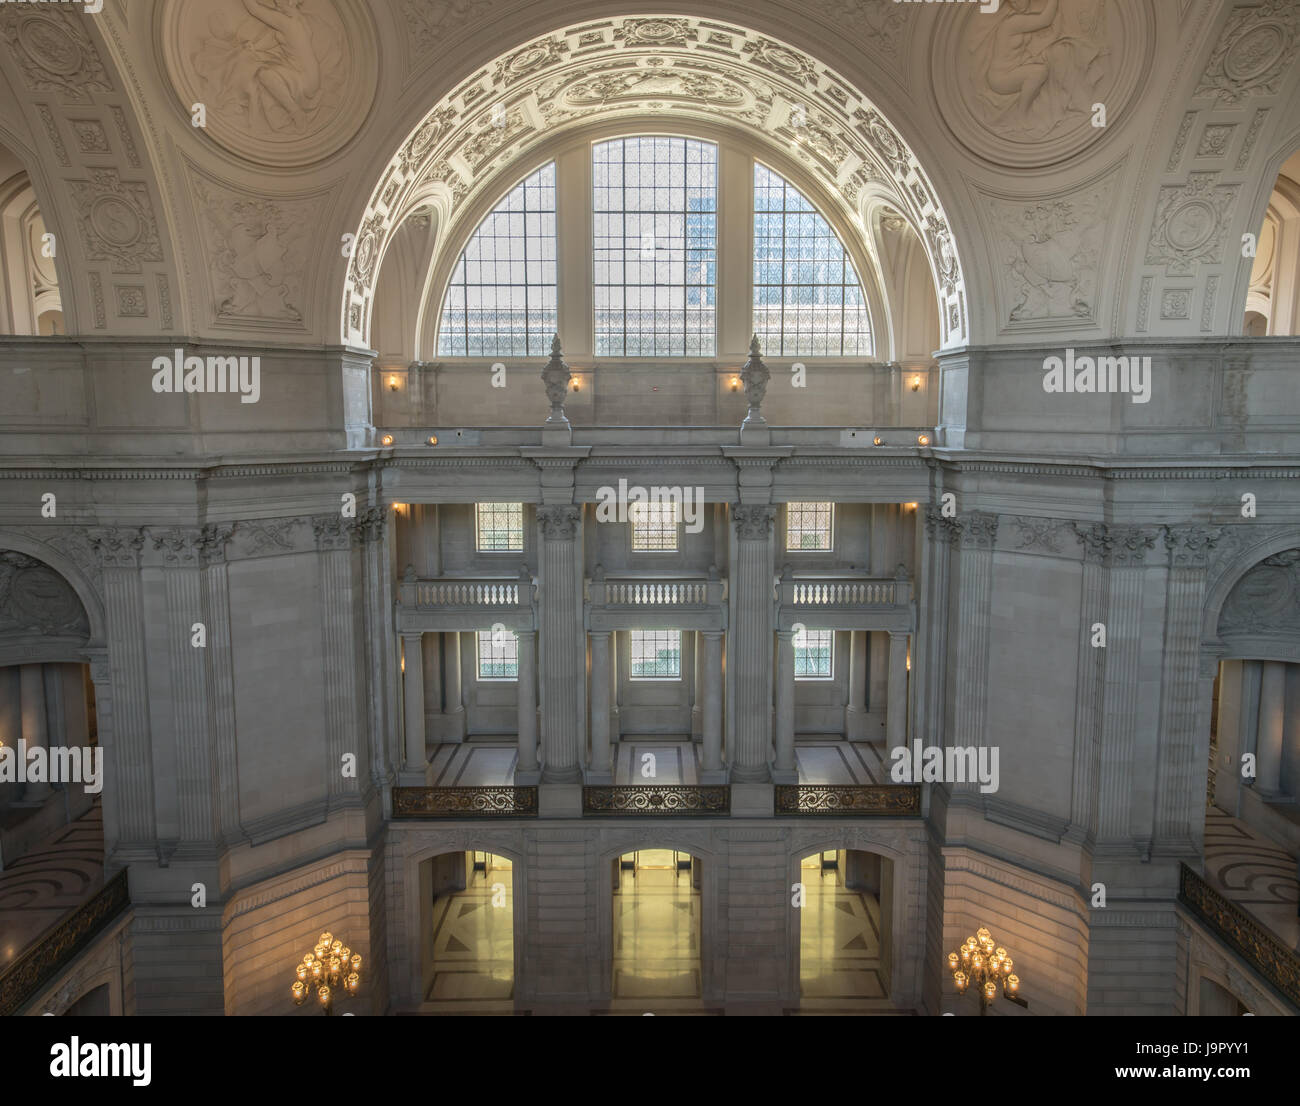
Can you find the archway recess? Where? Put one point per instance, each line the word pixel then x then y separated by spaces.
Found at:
pixel 682 69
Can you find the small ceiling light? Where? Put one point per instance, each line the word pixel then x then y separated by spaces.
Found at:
pixel 877 440
pixel 923 439
pixel 916 383
pixel 392 383
pixel 433 439
pixel 387 439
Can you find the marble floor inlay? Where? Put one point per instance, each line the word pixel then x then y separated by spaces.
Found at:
pixel 656 933
pixel 473 942
pixel 839 939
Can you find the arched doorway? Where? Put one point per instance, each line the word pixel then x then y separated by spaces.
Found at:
pixel 467 933
pixel 657 930
pixel 845 928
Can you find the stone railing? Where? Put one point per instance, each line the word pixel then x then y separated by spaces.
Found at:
pixel 849 800
pixel 677 602
pixel 842 602
pixel 1243 934
pixel 32 972
pixel 466 603
pixel 657 800
pixel 465 802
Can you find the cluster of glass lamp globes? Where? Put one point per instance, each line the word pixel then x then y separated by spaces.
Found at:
pixel 329 966
pixel 986 966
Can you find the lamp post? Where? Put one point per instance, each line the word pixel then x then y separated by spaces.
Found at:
pixel 329 966
pixel 986 965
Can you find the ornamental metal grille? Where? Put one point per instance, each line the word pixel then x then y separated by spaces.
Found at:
pixel 501 299
pixel 499 527
pixel 655 247
pixel 807 297
pixel 656 654
pixel 808 525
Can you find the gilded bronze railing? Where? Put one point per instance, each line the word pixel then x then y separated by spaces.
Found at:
pixel 32 972
pixel 1242 933
pixel 878 800
pixel 657 800
pixel 464 802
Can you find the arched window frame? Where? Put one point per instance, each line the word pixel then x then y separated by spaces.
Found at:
pixel 737 153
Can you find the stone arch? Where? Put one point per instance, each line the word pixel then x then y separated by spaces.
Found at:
pixel 72 571
pixel 548 85
pixel 1230 574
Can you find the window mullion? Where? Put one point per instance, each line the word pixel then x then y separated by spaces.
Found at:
pixel 735 259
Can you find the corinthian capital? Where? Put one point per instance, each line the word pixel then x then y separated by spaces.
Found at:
pixel 753 521
pixel 559 522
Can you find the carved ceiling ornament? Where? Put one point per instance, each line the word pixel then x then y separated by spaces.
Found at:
pixel 635 67
pixel 1190 222
pixel 53 52
pixel 1017 86
pixel 1253 53
pixel 285 82
pixel 116 220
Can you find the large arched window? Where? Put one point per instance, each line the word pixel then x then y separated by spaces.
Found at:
pixel 807 298
pixel 646 267
pixel 655 246
pixel 501 299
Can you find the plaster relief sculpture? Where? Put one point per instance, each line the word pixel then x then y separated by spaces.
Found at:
pixel 53 51
pixel 1253 53
pixel 285 81
pixel 117 221
pixel 259 250
pixel 1052 253
pixel 33 597
pixel 1018 86
pixel 1189 224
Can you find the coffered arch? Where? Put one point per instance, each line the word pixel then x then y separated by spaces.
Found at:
pixel 681 68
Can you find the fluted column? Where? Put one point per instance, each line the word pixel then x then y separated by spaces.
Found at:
pixel 1272 727
pixel 35 727
pixel 711 714
pixel 563 686
pixel 413 689
pixel 784 770
pixel 598 771
pixel 526 723
pixel 750 731
pixel 896 707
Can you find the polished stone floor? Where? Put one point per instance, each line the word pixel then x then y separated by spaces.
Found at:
pixel 656 936
pixel 839 942
pixel 46 883
pixel 1254 872
pixel 473 944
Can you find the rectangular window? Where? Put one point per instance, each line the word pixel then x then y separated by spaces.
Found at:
pixel 656 654
pixel 655 247
pixel 498 655
pixel 808 526
pixel 654 527
pixel 499 527
pixel 814 655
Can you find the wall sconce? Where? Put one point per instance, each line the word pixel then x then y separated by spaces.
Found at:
pixel 877 440
pixel 575 384
pixel 387 439
pixel 433 439
pixel 916 383
pixel 735 383
pixel 923 439
pixel 910 506
pixel 392 384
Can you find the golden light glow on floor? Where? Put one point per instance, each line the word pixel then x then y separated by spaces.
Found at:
pixel 656 931
pixel 839 937
pixel 473 938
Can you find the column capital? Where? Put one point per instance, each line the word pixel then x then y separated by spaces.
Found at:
pixel 559 522
pixel 117 546
pixel 753 521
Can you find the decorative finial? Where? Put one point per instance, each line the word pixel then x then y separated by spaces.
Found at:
pixel 754 376
pixel 556 377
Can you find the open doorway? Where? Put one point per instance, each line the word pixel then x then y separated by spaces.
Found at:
pixel 468 951
pixel 656 931
pixel 844 935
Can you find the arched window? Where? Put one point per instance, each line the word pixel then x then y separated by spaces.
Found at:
pixel 807 298
pixel 655 246
pixel 501 299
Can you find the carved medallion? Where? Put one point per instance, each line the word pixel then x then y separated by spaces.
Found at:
pixel 285 82
pixel 1018 86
